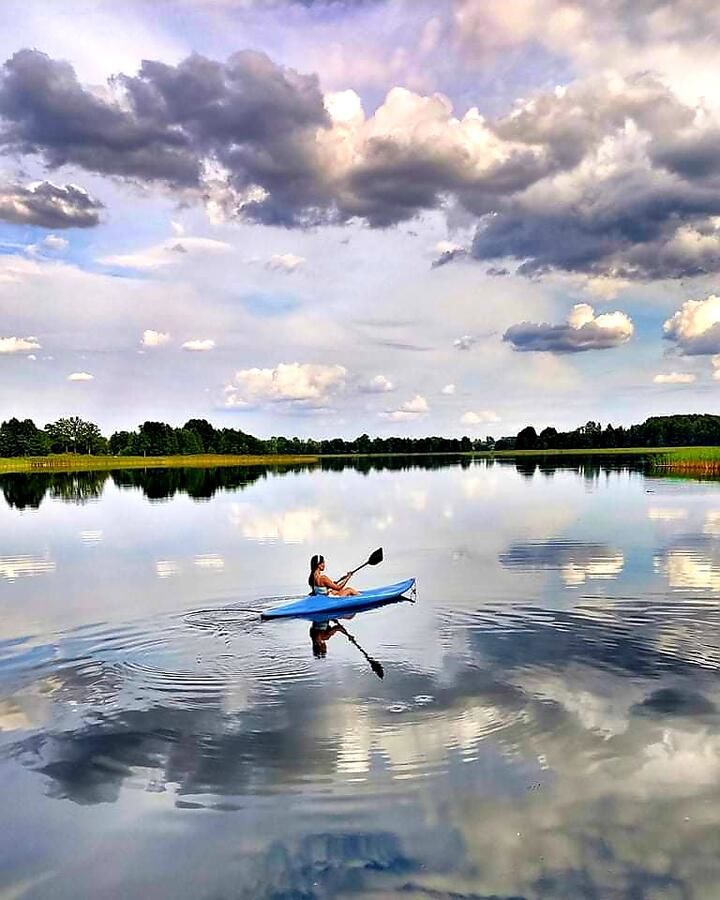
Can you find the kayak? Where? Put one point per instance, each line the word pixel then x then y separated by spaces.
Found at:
pixel 321 604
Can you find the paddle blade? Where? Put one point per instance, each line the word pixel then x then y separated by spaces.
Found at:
pixel 375 557
pixel 377 668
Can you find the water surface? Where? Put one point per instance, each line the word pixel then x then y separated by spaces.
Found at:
pixel 547 726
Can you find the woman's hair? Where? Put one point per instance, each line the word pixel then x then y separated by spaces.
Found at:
pixel 314 563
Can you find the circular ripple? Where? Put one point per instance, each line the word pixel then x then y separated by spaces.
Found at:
pixel 199 656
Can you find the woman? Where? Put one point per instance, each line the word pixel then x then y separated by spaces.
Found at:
pixel 321 584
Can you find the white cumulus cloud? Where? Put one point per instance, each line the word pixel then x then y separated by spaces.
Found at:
pixel 464 343
pixel 296 384
pixel 448 390
pixel 199 346
pixel 80 376
pixel 284 262
pixel 695 327
pixel 675 378
pixel 377 385
pixel 18 344
pixel 55 242
pixel 411 409
pixel 152 338
pixel 483 417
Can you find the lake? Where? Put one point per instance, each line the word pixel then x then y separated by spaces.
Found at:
pixel 547 727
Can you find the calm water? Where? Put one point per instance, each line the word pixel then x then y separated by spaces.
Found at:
pixel 547 727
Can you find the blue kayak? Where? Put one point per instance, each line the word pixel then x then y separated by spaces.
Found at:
pixel 323 605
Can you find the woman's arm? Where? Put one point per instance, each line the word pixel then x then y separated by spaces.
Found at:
pixel 329 583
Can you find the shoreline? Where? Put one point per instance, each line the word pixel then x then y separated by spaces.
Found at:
pixel 689 460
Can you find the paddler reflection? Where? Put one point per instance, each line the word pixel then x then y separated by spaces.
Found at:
pixel 320 634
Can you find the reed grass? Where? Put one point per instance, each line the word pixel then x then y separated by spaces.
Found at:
pixel 700 460
pixel 70 462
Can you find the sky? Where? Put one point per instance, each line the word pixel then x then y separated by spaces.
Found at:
pixel 330 217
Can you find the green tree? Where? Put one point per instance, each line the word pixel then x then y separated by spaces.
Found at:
pixel 22 438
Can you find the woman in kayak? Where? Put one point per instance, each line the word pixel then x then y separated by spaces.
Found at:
pixel 320 583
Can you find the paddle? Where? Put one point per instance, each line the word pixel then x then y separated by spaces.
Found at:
pixel 375 557
pixel 374 664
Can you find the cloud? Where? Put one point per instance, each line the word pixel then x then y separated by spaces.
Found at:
pixel 54 242
pixel 465 342
pixel 167 253
pixel 576 560
pixel 48 205
pixel 290 526
pixel 152 338
pixel 448 390
pixel 284 262
pixel 583 331
pixel 410 410
pixel 446 252
pixel 199 346
pixel 613 176
pixel 695 327
pixel 252 117
pixel 377 385
pixel 293 384
pixel 18 344
pixel 483 417
pixel 80 376
pixel 675 378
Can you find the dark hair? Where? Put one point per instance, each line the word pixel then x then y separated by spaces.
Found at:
pixel 314 563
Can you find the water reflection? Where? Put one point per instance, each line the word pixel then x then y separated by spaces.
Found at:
pixel 576 561
pixel 14 567
pixel 27 491
pixel 513 749
pixel 23 491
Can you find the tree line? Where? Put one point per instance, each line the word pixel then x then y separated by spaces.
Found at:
pixel 198 436
pixel 694 430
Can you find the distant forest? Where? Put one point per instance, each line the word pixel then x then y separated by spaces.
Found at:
pixel 694 430
pixel 74 435
pixel 196 436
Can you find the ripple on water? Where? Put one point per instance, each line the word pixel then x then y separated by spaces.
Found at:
pixel 654 632
pixel 176 660
pixel 184 663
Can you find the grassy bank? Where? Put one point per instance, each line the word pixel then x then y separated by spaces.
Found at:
pixel 69 462
pixel 671 460
pixel 688 460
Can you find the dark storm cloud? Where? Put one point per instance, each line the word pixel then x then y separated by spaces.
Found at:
pixel 48 206
pixel 600 178
pixel 252 116
pixel 629 225
pixel 627 169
